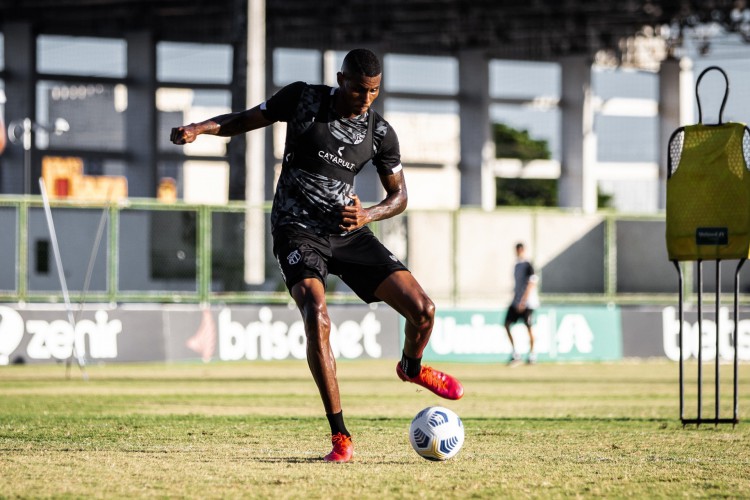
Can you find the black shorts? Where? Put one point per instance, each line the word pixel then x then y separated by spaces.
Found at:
pixel 358 258
pixel 513 315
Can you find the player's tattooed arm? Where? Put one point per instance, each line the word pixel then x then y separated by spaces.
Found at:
pixel 226 125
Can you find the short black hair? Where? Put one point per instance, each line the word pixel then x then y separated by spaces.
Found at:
pixel 362 62
pixel 520 246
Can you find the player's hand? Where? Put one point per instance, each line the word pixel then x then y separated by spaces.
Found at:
pixel 521 307
pixel 183 135
pixel 353 216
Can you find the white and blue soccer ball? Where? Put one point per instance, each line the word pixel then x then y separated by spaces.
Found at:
pixel 436 433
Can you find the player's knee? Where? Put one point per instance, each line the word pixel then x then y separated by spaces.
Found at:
pixel 425 315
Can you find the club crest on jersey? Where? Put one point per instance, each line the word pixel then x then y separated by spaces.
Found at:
pixel 294 257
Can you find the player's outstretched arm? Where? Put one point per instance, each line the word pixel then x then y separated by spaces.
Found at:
pixel 223 125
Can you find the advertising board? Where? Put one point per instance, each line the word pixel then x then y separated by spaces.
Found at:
pixel 41 333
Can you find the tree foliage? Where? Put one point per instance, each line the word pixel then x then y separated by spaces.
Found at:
pixel 518 144
pixel 526 192
pixel 514 143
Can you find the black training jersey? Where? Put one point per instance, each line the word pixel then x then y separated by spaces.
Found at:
pixel 523 273
pixel 323 153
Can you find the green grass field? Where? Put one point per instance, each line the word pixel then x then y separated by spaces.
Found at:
pixel 257 430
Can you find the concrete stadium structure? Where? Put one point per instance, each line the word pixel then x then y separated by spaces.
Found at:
pixel 573 34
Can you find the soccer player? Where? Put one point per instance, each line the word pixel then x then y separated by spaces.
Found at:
pixel 319 225
pixel 525 300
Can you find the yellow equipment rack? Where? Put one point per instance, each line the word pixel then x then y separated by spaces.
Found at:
pixel 708 218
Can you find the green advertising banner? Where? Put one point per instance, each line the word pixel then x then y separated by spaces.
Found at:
pixel 561 333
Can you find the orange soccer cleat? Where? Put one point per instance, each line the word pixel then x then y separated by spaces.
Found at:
pixel 343 449
pixel 436 381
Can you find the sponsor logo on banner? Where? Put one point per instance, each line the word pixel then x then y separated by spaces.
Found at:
pixel 560 333
pixel 267 339
pixel 11 333
pixel 204 340
pixel 690 333
pixel 55 339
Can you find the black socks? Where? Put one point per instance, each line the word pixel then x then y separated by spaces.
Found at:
pixel 411 366
pixel 336 421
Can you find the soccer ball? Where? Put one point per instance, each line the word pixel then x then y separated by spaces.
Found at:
pixel 436 433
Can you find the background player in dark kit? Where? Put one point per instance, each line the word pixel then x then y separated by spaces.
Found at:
pixel 525 301
pixel 319 225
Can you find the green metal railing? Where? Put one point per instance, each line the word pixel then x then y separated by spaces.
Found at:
pixel 273 291
pixel 206 286
pixel 111 245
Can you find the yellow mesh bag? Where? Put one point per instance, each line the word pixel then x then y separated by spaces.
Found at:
pixel 708 195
